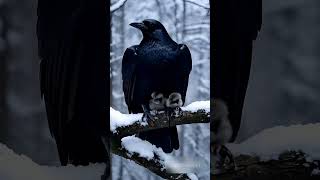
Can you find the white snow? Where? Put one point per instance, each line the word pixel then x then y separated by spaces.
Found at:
pixel 147 150
pixel 270 143
pixel 192 176
pixel 20 167
pixel 143 148
pixel 117 119
pixel 195 106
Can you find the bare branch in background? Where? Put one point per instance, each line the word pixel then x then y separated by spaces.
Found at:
pixel 114 7
pixel 200 5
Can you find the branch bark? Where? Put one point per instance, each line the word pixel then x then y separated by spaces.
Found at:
pixel 290 165
pixel 161 121
pixel 153 165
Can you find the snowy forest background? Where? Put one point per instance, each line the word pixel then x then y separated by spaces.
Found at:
pixel 284 87
pixel 186 23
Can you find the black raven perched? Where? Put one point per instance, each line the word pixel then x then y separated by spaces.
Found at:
pixel 235 26
pixel 72 40
pixel 155 75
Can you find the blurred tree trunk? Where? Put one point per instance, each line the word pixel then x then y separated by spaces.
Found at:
pixel 4 51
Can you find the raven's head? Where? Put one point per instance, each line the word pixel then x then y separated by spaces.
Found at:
pixel 151 29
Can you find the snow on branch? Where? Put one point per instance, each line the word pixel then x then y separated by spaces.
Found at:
pixel 291 152
pixel 128 124
pixel 148 156
pixel 125 144
pixel 289 165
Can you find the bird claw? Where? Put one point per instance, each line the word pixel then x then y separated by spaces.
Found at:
pixel 223 160
pixel 147 114
pixel 154 112
pixel 177 112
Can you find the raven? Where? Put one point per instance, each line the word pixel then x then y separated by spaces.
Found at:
pixel 155 75
pixel 235 26
pixel 72 43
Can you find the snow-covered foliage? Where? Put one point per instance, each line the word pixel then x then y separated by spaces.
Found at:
pixel 186 23
pixel 270 143
pixel 20 167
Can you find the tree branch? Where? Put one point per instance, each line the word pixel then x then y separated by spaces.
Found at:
pixel 114 7
pixel 123 125
pixel 161 121
pixel 154 164
pixel 194 3
pixel 290 165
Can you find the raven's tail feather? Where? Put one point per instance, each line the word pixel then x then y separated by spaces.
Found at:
pixel 85 148
pixel 166 138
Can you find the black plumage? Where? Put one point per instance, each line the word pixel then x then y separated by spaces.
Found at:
pixel 157 64
pixel 235 26
pixel 72 39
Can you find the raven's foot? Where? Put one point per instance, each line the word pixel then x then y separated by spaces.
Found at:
pixel 147 114
pixel 222 160
pixel 176 112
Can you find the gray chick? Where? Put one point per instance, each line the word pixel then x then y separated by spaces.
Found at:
pixel 157 103
pixel 173 104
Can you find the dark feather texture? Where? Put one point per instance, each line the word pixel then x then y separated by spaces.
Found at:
pixel 73 75
pixel 235 26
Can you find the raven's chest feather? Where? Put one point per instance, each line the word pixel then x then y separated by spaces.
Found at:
pixel 156 70
pixel 159 55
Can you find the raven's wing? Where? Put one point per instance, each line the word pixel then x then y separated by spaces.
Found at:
pixel 237 24
pixel 184 65
pixel 129 75
pixel 68 57
pixel 57 74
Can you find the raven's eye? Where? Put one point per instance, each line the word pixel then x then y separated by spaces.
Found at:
pixel 150 25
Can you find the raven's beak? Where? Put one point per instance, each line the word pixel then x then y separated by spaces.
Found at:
pixel 140 26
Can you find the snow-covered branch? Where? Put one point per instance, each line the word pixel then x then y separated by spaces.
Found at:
pixel 128 124
pixel 281 152
pixel 143 152
pixel 289 165
pixel 148 156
